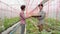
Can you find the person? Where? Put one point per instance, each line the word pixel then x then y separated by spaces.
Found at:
pixel 40 16
pixel 22 21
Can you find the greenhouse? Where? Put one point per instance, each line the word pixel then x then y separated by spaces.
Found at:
pixel 10 19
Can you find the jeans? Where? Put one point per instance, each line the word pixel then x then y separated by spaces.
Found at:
pixel 22 28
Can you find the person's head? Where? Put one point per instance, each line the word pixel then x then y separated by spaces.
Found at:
pixel 23 7
pixel 40 6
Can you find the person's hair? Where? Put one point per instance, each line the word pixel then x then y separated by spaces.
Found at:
pixel 40 5
pixel 22 7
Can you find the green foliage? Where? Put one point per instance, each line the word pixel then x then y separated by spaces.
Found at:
pixel 9 22
pixel 1 23
pixel 30 27
pixel 52 23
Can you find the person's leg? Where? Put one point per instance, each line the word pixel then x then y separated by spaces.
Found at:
pixel 47 28
pixel 22 28
pixel 41 23
pixel 40 27
pixel 25 29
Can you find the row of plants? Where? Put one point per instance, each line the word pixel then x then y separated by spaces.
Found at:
pixel 8 22
pixel 52 24
pixel 31 29
pixel 1 23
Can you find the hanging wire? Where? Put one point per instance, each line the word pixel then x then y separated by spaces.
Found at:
pixel 27 5
pixel 31 3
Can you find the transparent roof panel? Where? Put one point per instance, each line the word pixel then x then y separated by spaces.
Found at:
pixel 14 5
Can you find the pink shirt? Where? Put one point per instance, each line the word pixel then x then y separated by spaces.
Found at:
pixel 22 18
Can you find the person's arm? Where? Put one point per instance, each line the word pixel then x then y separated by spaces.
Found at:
pixel 21 15
pixel 43 15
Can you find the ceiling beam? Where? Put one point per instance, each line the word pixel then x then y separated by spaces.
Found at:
pixel 44 1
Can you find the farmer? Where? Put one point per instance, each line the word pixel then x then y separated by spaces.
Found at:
pixel 22 16
pixel 40 16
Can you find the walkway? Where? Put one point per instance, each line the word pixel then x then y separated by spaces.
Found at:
pixel 12 29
